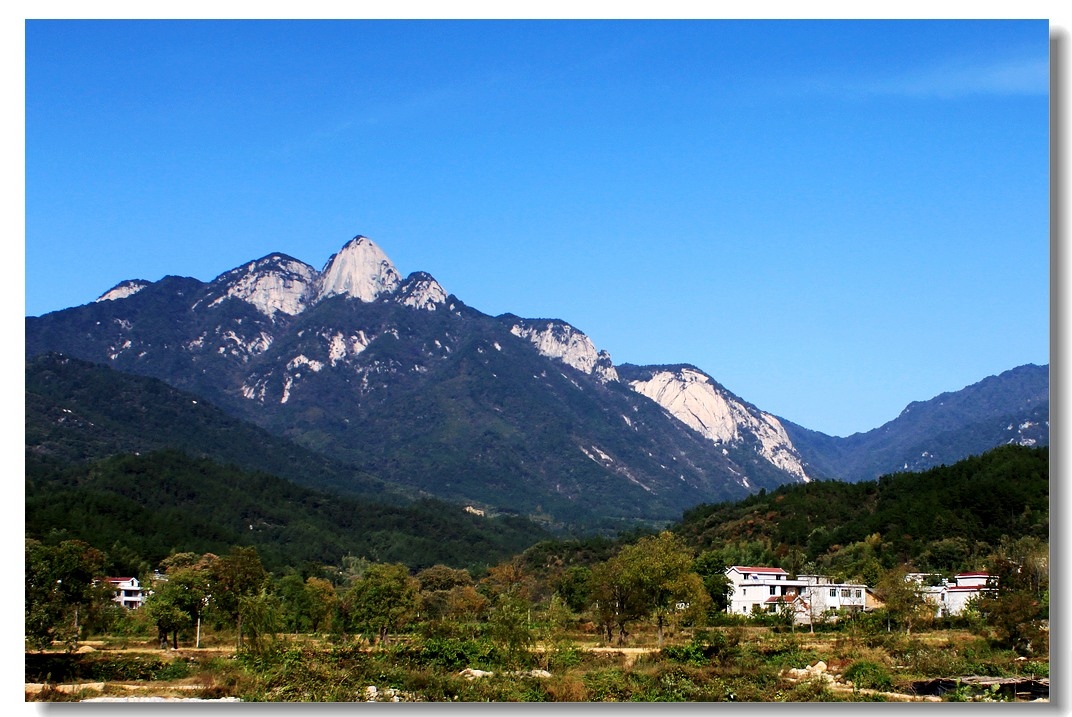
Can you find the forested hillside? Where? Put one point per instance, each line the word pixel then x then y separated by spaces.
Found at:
pixel 139 509
pixel 944 519
pixel 78 411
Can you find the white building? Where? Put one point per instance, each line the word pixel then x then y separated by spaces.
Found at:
pixel 951 597
pixel 766 589
pixel 128 592
pixel 828 596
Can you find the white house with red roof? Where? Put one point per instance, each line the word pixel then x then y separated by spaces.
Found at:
pixel 952 597
pixel 753 586
pixel 128 592
pixel 763 589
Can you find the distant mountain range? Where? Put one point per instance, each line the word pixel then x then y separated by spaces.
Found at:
pixel 1011 408
pixel 393 384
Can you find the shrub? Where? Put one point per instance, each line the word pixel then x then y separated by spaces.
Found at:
pixel 175 670
pixel 123 668
pixel 452 653
pixel 692 653
pixel 563 657
pixel 567 689
pixel 869 675
pixel 807 691
pixel 610 685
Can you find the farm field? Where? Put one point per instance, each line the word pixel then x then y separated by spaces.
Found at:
pixel 731 664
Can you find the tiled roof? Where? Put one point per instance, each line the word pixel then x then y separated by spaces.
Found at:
pixel 747 569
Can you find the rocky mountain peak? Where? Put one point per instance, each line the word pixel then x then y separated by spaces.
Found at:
pixel 123 289
pixel 558 340
pixel 421 291
pixel 359 270
pixel 695 399
pixel 274 283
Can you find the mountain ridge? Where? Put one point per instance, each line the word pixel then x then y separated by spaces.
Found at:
pixel 413 385
pixel 970 419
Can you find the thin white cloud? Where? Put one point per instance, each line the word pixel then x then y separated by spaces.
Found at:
pixel 1000 77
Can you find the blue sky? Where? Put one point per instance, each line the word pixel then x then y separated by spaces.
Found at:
pixel 832 219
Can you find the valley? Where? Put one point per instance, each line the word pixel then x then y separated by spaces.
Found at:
pixel 319 483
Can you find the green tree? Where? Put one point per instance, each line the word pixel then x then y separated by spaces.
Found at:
pixel 652 577
pixel 575 587
pixel 443 577
pixel 179 600
pixel 322 599
pixel 61 585
pixel 509 626
pixel 237 575
pixel 437 583
pixel 294 601
pixel 903 599
pixel 164 608
pixel 260 619
pixel 385 599
pixel 1018 606
pixel 709 566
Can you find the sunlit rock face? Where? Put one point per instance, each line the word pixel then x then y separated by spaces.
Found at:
pixel 360 270
pixel 275 284
pixel 559 340
pixel 421 291
pixel 123 289
pixel 695 400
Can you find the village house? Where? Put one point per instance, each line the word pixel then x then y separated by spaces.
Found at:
pixel 811 597
pixel 952 596
pixel 128 592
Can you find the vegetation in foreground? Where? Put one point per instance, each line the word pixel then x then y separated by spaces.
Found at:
pixel 639 618
pixel 649 631
pixel 724 664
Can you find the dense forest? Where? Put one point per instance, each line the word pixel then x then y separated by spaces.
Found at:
pixel 944 519
pixel 142 508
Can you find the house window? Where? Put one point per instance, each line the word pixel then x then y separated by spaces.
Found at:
pixel 846 593
pixel 859 593
pixel 773 590
pixel 833 592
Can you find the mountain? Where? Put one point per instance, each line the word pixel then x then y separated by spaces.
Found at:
pixel 1012 407
pixel 77 411
pixel 700 402
pixel 401 380
pixel 117 459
